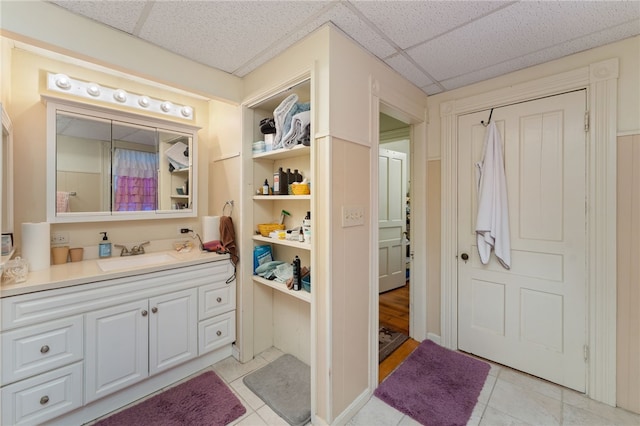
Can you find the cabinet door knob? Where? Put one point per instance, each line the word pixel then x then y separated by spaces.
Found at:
pixel 144 313
pixel 44 349
pixel 219 333
pixel 44 400
pixel 154 309
pixel 219 299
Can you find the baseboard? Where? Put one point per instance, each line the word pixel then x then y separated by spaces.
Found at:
pixel 433 337
pixel 353 408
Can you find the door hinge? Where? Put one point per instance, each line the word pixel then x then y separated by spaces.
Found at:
pixel 585 349
pixel 586 121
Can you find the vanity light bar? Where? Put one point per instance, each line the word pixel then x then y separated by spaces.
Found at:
pixel 64 84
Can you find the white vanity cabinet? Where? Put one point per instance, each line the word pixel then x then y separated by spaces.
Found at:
pixel 129 342
pixel 73 354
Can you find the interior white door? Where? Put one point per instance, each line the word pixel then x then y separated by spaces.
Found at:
pixel 533 316
pixel 392 219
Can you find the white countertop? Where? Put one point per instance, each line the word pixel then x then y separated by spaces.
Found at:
pixel 86 271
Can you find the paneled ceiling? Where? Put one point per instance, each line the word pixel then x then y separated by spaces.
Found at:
pixel 437 45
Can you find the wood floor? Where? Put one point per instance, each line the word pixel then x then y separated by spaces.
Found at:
pixel 394 314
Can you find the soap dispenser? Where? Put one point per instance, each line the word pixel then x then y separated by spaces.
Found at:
pixel 104 248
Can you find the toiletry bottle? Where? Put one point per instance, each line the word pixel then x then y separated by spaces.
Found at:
pixel 290 179
pixel 104 248
pixel 284 183
pixel 276 182
pixel 265 187
pixel 297 283
pixel 306 228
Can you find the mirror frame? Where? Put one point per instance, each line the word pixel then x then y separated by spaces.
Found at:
pixel 55 104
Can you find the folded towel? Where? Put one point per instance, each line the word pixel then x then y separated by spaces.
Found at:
pixel 279 116
pixel 62 202
pixel 296 132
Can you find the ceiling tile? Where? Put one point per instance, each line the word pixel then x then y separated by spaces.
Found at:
pixel 224 35
pixel 619 32
pixel 515 31
pixel 408 23
pixel 117 14
pixel 408 69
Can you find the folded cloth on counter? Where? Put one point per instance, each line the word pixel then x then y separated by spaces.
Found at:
pixel 298 124
pixel 280 115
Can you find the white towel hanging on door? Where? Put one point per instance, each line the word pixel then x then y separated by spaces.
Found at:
pixel 492 222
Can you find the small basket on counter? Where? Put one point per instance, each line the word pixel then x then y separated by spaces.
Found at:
pixel 266 228
pixel 300 189
pixel 15 271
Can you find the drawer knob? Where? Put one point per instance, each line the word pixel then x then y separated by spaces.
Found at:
pixel 219 299
pixel 154 309
pixel 44 349
pixel 44 400
pixel 219 333
pixel 144 313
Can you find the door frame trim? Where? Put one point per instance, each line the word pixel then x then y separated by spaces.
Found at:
pixel 600 81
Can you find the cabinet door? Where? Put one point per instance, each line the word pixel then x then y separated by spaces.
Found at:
pixel 172 329
pixel 117 348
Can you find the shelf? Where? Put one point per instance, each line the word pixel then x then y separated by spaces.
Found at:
pixel 184 197
pixel 186 169
pixel 288 243
pixel 281 197
pixel 279 154
pixel 281 287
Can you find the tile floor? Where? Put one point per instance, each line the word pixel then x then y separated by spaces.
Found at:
pixel 508 398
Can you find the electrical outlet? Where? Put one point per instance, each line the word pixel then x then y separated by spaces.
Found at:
pixel 352 216
pixel 182 230
pixel 59 238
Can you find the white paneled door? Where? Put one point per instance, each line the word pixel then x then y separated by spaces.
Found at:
pixel 392 219
pixel 533 316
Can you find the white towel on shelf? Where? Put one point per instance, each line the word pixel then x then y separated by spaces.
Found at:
pixel 280 115
pixel 492 222
pixel 298 123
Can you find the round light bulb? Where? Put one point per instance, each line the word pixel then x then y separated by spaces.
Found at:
pixel 62 81
pixel 186 111
pixel 120 95
pixel 93 89
pixel 143 101
pixel 165 106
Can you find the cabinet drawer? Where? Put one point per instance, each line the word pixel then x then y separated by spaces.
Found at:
pixel 42 398
pixel 216 332
pixel 33 350
pixel 215 299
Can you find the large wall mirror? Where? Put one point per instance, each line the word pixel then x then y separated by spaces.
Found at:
pixel 107 165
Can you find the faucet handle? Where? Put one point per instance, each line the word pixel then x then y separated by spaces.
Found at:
pixel 124 251
pixel 139 248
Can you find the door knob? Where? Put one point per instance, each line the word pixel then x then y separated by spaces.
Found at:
pixel 465 257
pixel 144 313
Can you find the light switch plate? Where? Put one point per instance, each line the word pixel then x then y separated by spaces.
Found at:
pixel 352 216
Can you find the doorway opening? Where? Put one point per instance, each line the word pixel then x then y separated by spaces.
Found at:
pixel 394 242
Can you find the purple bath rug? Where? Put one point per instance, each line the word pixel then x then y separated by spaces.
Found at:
pixel 204 400
pixel 435 386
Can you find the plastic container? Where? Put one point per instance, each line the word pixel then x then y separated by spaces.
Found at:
pixel 15 271
pixel 306 283
pixel 266 228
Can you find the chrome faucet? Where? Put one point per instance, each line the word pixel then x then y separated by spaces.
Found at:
pixel 139 249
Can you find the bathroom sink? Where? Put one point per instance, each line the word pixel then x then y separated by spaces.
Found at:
pixel 115 263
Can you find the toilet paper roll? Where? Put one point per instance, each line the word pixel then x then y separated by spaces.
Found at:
pixel 36 245
pixel 210 228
